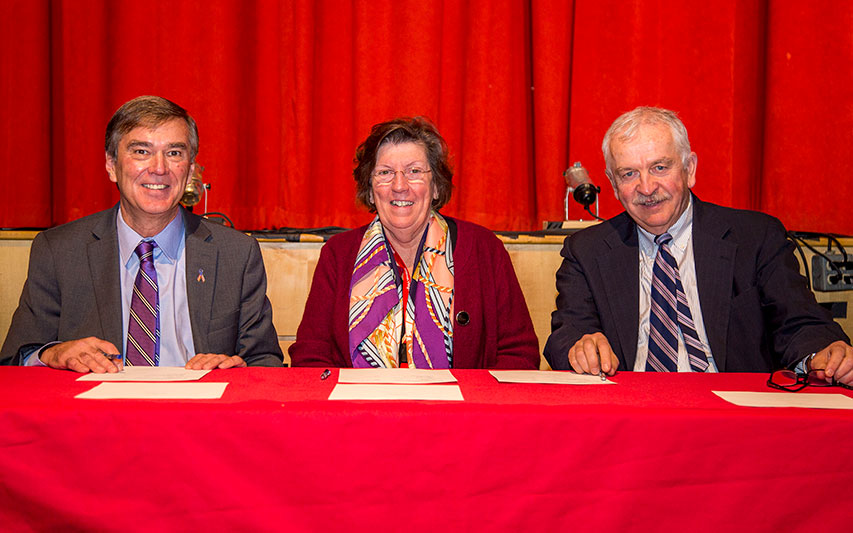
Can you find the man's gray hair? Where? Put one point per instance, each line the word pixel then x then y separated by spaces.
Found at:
pixel 625 128
pixel 151 112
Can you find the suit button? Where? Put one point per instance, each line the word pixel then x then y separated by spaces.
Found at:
pixel 463 318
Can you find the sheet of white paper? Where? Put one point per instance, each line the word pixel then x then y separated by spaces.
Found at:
pixel 786 399
pixel 148 373
pixel 155 391
pixel 394 375
pixel 550 377
pixel 348 391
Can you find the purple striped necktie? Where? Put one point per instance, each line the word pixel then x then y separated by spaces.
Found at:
pixel 143 330
pixel 669 312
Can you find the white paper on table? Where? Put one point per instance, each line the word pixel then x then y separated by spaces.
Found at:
pixel 549 377
pixel 394 375
pixel 349 391
pixel 155 391
pixel 147 373
pixel 786 399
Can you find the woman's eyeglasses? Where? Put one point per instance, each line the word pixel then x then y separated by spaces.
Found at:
pixel 413 175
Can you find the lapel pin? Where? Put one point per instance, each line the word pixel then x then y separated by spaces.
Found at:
pixel 200 275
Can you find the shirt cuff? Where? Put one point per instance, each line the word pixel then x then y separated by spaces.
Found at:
pixel 29 360
pixel 802 366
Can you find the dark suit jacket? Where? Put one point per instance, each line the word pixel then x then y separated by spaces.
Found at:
pixel 759 313
pixel 73 290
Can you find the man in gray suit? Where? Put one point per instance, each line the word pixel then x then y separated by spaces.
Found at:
pixel 89 283
pixel 674 283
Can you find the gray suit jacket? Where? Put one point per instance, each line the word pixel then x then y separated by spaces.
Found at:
pixel 73 290
pixel 759 313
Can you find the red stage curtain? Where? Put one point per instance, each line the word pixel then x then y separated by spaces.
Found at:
pixel 809 116
pixel 25 134
pixel 284 91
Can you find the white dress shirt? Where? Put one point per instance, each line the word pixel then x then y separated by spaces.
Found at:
pixel 681 247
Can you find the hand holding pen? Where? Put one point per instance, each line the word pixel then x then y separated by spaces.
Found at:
pixel 592 355
pixel 81 355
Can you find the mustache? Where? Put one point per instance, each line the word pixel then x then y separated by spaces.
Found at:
pixel 642 199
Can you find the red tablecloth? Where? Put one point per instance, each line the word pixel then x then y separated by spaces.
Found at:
pixel 655 452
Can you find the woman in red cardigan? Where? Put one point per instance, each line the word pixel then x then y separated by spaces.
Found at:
pixel 413 288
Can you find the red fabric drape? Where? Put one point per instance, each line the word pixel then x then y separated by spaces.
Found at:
pixel 25 178
pixel 284 91
pixel 809 116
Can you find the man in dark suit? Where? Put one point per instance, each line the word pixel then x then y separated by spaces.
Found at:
pixel 674 283
pixel 88 284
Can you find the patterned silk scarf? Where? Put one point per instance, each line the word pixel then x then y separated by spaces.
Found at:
pixel 376 315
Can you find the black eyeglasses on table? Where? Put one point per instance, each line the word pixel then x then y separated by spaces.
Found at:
pixel 790 381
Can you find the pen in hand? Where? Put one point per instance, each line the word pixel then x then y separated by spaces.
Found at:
pixel 117 359
pixel 601 375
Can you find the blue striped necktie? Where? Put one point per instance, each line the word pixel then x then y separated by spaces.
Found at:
pixel 143 329
pixel 669 313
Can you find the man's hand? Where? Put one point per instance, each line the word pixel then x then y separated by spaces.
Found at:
pixel 81 355
pixel 835 361
pixel 209 361
pixel 591 354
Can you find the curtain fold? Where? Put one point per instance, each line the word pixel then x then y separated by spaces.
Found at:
pixel 284 91
pixel 25 126
pixel 808 129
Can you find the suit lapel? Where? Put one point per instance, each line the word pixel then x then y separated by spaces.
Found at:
pixel 201 259
pixel 103 259
pixel 619 267
pixel 714 257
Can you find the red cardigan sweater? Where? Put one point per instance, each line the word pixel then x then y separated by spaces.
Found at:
pixel 498 332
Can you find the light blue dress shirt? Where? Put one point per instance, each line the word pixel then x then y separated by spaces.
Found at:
pixel 176 338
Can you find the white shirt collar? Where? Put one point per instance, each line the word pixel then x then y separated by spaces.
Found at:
pixel 680 232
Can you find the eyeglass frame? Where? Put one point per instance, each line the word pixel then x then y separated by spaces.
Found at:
pixel 406 174
pixel 804 380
